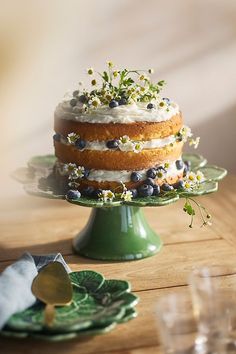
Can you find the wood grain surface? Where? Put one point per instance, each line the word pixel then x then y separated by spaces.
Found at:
pixel 44 226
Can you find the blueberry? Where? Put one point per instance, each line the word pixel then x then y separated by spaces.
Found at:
pixel 80 144
pixel 73 102
pixel 135 176
pixel 57 137
pixel 73 194
pixel 112 144
pixel 113 104
pixel 146 190
pixel 150 106
pixel 134 193
pixel 86 173
pixel 166 99
pixel 187 164
pixel 178 185
pixel 156 190
pixel 185 171
pixel 96 193
pixel 179 164
pixel 87 191
pixel 167 187
pixel 151 173
pixel 149 181
pixel 83 99
pixel 122 101
pixel 75 93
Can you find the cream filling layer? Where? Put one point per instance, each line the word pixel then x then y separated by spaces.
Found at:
pixel 148 144
pixel 136 112
pixel 123 175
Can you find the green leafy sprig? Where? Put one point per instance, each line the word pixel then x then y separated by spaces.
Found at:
pixel 128 85
pixel 189 209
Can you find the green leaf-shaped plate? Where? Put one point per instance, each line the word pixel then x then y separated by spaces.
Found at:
pixel 93 331
pixel 213 173
pixel 97 303
pixel 40 164
pixel 204 188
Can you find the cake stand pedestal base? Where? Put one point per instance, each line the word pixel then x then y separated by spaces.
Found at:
pixel 117 234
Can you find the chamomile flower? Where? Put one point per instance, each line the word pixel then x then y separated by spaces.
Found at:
pixel 95 102
pixel 80 171
pixel 185 133
pixel 76 172
pixel 188 185
pixel 69 167
pixel 127 195
pixel 137 147
pixel 124 139
pixel 191 176
pixel 194 142
pixel 125 144
pixel 106 195
pixel 200 177
pixel 72 137
pixel 110 64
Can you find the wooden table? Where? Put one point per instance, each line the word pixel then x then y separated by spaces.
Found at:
pixel 44 226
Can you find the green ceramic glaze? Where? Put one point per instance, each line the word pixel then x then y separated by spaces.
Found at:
pixel 42 162
pixel 97 306
pixel 120 233
pixel 117 230
pixel 196 160
pixel 213 173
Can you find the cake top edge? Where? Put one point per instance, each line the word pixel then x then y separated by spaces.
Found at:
pixel 118 96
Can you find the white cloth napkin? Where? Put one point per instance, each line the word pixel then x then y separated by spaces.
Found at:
pixel 16 281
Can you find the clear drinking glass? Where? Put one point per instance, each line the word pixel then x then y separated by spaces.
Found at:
pixel 177 324
pixel 214 303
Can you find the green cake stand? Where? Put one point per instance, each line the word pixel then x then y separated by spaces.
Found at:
pixel 117 230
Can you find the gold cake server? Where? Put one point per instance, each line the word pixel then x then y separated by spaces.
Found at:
pixel 52 286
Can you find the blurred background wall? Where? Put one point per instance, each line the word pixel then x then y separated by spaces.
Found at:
pixel 46 45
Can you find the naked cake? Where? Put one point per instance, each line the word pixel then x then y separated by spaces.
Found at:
pixel 121 134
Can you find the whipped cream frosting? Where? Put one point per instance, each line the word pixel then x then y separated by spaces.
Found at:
pixel 122 175
pixel 148 144
pixel 136 112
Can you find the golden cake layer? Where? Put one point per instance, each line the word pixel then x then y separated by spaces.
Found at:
pixel 117 160
pixel 136 131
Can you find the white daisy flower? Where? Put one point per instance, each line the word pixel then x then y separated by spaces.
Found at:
pixel 137 147
pixel 125 144
pixel 106 195
pixel 186 133
pixel 69 167
pixel 200 177
pixel 194 142
pixel 127 196
pixel 95 102
pixel 191 177
pixel 72 137
pixel 188 185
